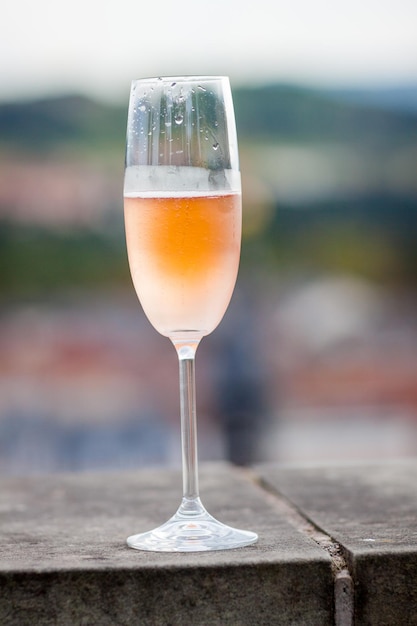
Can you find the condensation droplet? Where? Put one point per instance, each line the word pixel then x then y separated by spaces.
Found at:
pixel 142 108
pixel 179 118
pixel 168 123
pixel 215 146
pixel 173 84
pixel 201 88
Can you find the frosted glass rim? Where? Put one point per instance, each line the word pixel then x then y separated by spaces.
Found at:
pixel 183 79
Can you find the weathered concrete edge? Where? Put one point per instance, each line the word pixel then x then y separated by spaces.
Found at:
pixel 271 587
pixel 343 580
pixel 369 511
pixel 246 594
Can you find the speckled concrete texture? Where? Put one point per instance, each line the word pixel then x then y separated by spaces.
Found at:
pixel 63 558
pixel 337 546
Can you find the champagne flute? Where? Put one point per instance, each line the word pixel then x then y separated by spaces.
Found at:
pixel 182 199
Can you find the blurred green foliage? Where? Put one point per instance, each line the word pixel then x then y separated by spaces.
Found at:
pixel 62 123
pixel 40 262
pixel 290 113
pixel 373 237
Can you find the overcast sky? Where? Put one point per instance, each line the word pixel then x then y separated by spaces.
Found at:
pixel 93 47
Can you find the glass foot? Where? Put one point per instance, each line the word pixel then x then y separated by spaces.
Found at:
pixel 192 529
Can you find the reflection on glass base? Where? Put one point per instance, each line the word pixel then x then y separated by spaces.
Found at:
pixel 192 531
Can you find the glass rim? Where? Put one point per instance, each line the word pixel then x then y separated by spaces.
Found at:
pixel 182 78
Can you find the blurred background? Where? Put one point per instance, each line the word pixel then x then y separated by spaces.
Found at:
pixel 316 358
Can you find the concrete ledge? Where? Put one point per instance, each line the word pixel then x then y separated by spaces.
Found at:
pixel 63 558
pixel 370 512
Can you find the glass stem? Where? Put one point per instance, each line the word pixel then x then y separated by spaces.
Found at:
pixel 186 356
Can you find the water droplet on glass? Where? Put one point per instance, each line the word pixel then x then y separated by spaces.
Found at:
pixel 142 108
pixel 173 84
pixel 179 118
pixel 168 123
pixel 216 123
pixel 215 146
pixel 201 88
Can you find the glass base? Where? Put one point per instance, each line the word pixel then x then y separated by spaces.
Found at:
pixel 192 529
